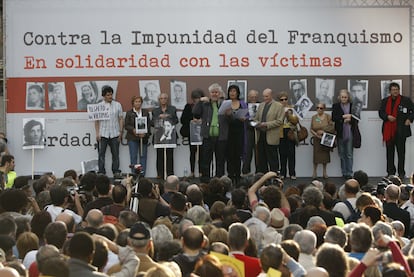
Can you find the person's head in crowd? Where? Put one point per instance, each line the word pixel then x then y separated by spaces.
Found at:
pixel 272 196
pixel 312 196
pixel 292 248
pixel 56 234
pixel 229 216
pixel 351 187
pixel 100 255
pixel 72 174
pixel 195 195
pixel 68 220
pixel 333 258
pixel 7 243
pixel 88 181
pixel 82 247
pixel 290 231
pixel 168 249
pixel 292 191
pixel 219 247
pixel 392 193
pixel 395 180
pixel 19 267
pixel 331 189
pixel 145 188
pixel 182 186
pixel 393 269
pixel 43 199
pixel 227 183
pixel 164 220
pixel 216 211
pixel 140 238
pixel 103 185
pixel 317 272
pixel 23 225
pixel 45 252
pixel 262 213
pixel 371 214
pixel 198 215
pixel 58 195
pixel 216 186
pixel 208 266
pixel 8 226
pixel 207 228
pixel 55 266
pixel 306 240
pixel 398 228
pixel 192 239
pixel 271 257
pixel 318 229
pixel 178 202
pixel 39 222
pixel 184 225
pixel 160 234
pixel 9 272
pixel 128 218
pixel 239 198
pixel 364 199
pixel 218 235
pixel 327 202
pixel 336 235
pixel 238 237
pixel 22 183
pixel 295 202
pixel 122 238
pixel 108 230
pixel 315 220
pixel 94 218
pixel 362 178
pixel 26 242
pixel 160 270
pixel 13 200
pixel 171 183
pixel 360 238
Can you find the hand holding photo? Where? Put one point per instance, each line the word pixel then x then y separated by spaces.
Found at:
pixel 328 139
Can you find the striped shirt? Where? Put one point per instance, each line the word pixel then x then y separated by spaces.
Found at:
pixel 110 128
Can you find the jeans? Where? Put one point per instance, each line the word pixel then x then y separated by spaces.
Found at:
pixel 114 146
pixel 134 150
pixel 346 154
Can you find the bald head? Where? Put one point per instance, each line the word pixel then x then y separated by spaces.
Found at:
pixel 253 96
pixel 317 272
pixel 351 187
pixel 171 183
pixel 267 95
pixel 94 218
pixel 9 272
pixel 68 220
pixel 191 187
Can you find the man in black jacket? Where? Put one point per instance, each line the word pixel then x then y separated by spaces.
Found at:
pixel 397 113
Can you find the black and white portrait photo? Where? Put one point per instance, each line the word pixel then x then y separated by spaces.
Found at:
pixel 87 93
pixel 149 91
pixel 165 135
pixel 298 88
pixel 141 125
pixel 359 91
pixel 328 139
pixel 356 110
pixel 324 91
pixel 195 133
pixel 178 94
pixel 303 106
pixel 57 96
pixel 35 96
pixel 33 133
pixel 385 90
pixel 253 109
pixel 242 84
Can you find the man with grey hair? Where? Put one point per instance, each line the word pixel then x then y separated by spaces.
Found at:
pixel 214 131
pixel 258 224
pixel 307 244
pixel 336 235
pixel 312 198
pixel 170 187
pixel 392 210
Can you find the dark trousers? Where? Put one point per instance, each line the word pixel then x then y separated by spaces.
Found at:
pixel 287 151
pixel 397 143
pixel 234 153
pixel 218 147
pixel 114 146
pixel 250 152
pixel 193 156
pixel 267 155
pixel 160 162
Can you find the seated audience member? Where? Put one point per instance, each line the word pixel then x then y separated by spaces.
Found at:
pixel 193 243
pixel 103 187
pixel 238 238
pixel 333 258
pixel 307 245
pixel 257 225
pixel 399 230
pixel 160 235
pixel 273 256
pixel 151 205
pixel 60 199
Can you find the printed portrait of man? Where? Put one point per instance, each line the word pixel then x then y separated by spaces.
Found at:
pixel 33 133
pixel 57 96
pixel 297 90
pixel 359 91
pixel 150 91
pixel 178 94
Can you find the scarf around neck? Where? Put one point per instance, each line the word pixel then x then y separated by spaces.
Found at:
pixel 390 128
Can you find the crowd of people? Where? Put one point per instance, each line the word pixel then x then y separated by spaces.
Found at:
pixel 87 226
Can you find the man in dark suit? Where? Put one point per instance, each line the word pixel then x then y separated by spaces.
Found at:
pixel 397 113
pixel 392 210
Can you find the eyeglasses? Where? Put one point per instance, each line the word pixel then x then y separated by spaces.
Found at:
pixel 283 99
pixel 320 108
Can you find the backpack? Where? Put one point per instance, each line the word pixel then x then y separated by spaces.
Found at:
pixel 355 214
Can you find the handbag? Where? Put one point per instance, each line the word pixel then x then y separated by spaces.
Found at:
pixel 356 136
pixel 297 135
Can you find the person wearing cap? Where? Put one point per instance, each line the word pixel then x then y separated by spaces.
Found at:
pixel 140 240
